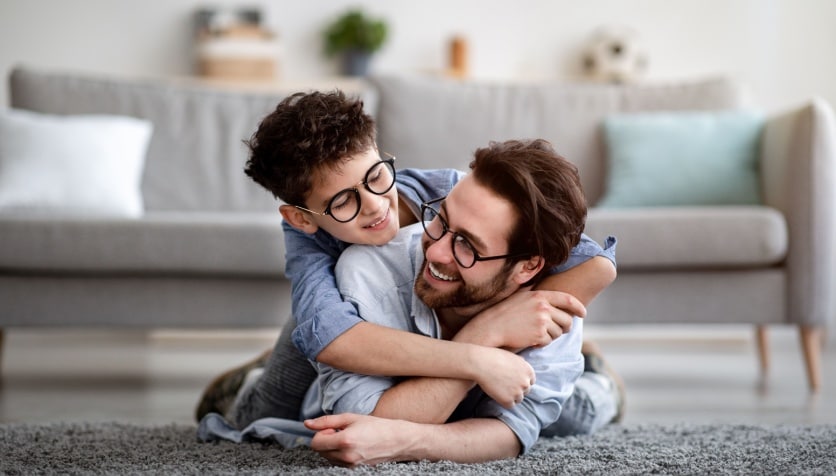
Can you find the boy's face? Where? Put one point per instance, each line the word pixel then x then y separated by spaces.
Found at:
pixel 377 221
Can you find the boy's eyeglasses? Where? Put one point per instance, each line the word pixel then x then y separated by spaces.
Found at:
pixel 435 226
pixel 345 205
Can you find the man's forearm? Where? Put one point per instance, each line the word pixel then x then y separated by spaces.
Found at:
pixel 351 440
pixel 423 400
pixel 467 441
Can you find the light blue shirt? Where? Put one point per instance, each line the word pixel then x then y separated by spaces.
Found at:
pixel 319 311
pixel 378 282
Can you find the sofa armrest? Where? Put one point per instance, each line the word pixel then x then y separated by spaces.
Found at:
pixel 798 177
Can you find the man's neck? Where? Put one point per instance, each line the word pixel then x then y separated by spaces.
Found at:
pixel 452 319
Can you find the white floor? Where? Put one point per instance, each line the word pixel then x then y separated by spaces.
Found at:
pixel 672 374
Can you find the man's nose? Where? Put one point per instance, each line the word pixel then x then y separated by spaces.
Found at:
pixel 441 250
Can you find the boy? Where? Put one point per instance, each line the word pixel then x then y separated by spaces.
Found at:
pixel 316 152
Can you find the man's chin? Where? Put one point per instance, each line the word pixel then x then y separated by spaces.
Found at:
pixel 436 299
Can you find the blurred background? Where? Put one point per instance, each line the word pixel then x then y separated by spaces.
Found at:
pixel 783 48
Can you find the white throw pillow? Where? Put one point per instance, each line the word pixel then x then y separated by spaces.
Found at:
pixel 85 165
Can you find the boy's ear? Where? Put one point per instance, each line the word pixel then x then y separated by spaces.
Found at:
pixel 298 219
pixel 528 269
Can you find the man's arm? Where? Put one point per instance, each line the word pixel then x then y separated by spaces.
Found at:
pixel 351 440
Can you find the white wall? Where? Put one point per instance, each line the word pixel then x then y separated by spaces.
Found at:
pixel 785 49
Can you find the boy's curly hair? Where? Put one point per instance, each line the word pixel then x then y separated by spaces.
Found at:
pixel 305 133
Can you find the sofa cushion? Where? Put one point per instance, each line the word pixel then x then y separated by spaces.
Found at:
pixel 433 122
pixel 693 237
pixel 683 158
pixel 196 156
pixel 89 164
pixel 160 243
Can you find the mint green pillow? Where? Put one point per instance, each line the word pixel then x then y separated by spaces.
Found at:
pixel 682 158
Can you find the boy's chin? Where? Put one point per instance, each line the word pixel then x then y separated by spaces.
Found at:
pixel 382 237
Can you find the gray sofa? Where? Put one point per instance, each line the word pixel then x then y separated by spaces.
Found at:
pixel 208 251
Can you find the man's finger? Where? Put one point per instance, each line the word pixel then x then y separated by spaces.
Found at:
pixel 330 421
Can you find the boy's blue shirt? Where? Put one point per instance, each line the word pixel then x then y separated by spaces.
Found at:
pixel 320 313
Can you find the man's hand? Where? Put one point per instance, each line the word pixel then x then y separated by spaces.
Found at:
pixel 525 319
pixel 351 440
pixel 348 439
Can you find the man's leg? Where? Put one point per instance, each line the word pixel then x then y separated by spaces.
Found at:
pixel 598 399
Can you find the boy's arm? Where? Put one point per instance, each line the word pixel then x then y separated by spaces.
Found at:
pixel 504 326
pixel 585 281
pixel 538 318
pixel 330 330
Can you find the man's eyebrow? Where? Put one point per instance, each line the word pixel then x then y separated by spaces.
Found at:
pixel 473 239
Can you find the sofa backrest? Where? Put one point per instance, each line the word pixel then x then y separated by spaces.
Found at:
pixel 196 156
pixel 435 122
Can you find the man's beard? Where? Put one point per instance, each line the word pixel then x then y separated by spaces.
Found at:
pixel 466 294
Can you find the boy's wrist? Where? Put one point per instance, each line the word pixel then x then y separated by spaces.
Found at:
pixel 478 333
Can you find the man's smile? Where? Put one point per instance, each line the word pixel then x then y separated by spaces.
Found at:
pixel 438 274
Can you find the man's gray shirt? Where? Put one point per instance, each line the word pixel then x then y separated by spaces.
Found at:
pixel 378 281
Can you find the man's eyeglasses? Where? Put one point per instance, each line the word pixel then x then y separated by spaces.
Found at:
pixel 345 205
pixel 435 226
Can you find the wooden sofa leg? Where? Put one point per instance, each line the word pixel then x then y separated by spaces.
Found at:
pixel 811 346
pixel 762 341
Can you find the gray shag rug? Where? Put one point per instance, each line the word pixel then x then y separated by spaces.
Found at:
pixel 117 448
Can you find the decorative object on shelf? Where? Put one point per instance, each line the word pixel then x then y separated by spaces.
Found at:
pixel 233 44
pixel 355 37
pixel 615 54
pixel 458 66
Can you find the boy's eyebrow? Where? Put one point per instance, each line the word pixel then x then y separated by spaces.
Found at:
pixel 470 236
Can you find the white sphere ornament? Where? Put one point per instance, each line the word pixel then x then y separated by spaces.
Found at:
pixel 615 55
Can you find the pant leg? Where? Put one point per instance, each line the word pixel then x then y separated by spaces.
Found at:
pixel 590 407
pixel 280 390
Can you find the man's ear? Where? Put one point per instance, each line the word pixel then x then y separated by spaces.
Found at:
pixel 298 219
pixel 528 269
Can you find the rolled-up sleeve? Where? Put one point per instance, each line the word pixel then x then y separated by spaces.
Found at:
pixel 320 313
pixel 587 249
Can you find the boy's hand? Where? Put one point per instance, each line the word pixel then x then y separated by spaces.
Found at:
pixel 525 319
pixel 504 376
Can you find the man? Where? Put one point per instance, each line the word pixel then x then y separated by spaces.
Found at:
pixel 501 228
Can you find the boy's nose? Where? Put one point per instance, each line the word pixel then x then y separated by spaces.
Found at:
pixel 371 203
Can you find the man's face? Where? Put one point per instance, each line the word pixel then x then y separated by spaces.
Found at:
pixel 377 221
pixel 486 220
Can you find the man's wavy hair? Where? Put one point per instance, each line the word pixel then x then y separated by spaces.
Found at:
pixel 304 134
pixel 546 191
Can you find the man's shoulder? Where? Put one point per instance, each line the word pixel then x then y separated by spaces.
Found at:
pixel 391 259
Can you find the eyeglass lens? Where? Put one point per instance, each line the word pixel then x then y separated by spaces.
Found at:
pixel 345 205
pixel 436 227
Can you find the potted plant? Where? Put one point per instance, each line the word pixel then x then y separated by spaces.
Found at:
pixel 356 37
